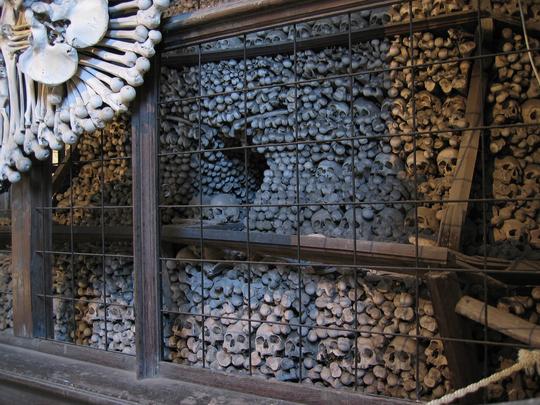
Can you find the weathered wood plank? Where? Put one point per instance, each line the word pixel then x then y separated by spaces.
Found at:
pixel 31 232
pixel 145 135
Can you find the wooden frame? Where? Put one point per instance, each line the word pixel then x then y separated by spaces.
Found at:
pixel 32 230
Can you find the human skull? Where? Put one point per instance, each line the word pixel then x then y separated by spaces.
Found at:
pixel 447 161
pixel 422 164
pixel 387 164
pixel 224 208
pixel 348 226
pixel 187 327
pixel 399 354
pixel 276 36
pixel 365 110
pixel 388 224
pixel 367 353
pixel 213 331
pixel 530 111
pixel 507 170
pixel 426 100
pixel 236 340
pixel 531 173
pixel 337 110
pixel 267 343
pixel 515 231
pixel 323 26
pixel 454 111
pixel 322 222
pixel 507 112
pixel 427 220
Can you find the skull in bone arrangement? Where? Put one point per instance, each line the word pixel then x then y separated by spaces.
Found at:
pixel 422 164
pixel 388 224
pixel 213 331
pixel 327 179
pixel 454 112
pixel 387 164
pixel 352 222
pixel 506 112
pixel 367 353
pixel 531 174
pixel 514 231
pixel 447 161
pixel 185 327
pixel 338 111
pixel 427 220
pixel 224 209
pixel 267 343
pixel 236 340
pixel 365 110
pixel 530 111
pixel 399 354
pixel 507 170
pixel 323 223
pixel 323 26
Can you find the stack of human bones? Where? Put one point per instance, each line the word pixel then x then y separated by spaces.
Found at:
pixel 67 67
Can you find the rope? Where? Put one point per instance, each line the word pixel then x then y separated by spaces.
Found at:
pixel 528 360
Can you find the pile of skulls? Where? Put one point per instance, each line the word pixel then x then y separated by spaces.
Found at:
pixel 514 95
pixel 531 8
pixel 302 325
pixel 101 175
pixel 6 293
pixel 322 116
pixel 426 8
pixel 438 113
pixel 85 320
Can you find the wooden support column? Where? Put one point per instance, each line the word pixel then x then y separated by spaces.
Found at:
pixel 145 137
pixel 31 271
pixel 462 357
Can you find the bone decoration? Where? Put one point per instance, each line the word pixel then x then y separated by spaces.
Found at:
pixel 87 321
pixel 514 96
pixel 68 67
pixel 325 349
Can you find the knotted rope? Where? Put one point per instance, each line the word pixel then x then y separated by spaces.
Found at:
pixel 528 360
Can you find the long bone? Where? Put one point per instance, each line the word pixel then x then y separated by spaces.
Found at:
pixel 114 100
pixel 149 18
pixel 128 59
pixel 123 7
pixel 132 75
pixel 144 48
pixel 138 34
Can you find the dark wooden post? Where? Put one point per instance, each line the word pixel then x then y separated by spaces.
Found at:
pixel 145 137
pixel 31 233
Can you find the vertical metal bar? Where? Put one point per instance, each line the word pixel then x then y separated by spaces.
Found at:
pixel 31 270
pixel 102 229
pixel 145 136
pixel 72 247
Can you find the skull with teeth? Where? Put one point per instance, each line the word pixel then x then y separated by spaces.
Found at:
pixel 323 223
pixel 422 164
pixel 507 170
pixel 447 161
pixel 267 343
pixel 236 340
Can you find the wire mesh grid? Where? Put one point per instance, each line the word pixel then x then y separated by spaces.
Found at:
pixel 88 282
pixel 300 304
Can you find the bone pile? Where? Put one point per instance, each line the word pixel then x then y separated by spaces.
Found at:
pixel 90 178
pixel 6 296
pixel 426 8
pixel 515 98
pixel 440 92
pixel 386 364
pixel 67 68
pixel 84 321
pixel 326 168
pixel 531 8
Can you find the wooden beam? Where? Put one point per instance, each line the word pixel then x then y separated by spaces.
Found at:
pixel 249 16
pixel 445 293
pixel 31 232
pixel 455 212
pixel 145 136
pixel 503 322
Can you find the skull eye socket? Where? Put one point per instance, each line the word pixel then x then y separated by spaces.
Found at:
pixel 228 337
pixel 274 339
pixel 216 330
pixel 241 338
pixel 259 340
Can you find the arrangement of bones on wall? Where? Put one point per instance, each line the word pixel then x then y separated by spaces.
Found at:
pixel 330 304
pixel 66 68
pixel 183 6
pixel 92 282
pixel 380 163
pixel 6 293
pixel 91 180
pixel 514 96
pixel 531 8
